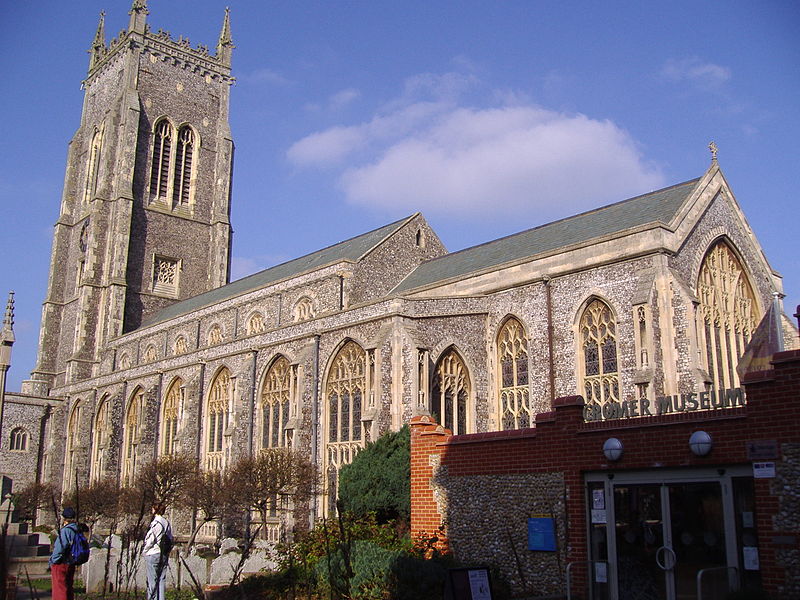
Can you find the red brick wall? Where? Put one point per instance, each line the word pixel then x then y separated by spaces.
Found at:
pixel 562 442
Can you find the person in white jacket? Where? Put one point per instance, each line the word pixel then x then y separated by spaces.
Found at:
pixel 154 553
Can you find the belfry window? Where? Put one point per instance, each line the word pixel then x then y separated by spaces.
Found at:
pixel 183 166
pixel 512 361
pixel 162 151
pixel 598 336
pixel 726 314
pixel 450 392
pixel 172 164
pixel 275 398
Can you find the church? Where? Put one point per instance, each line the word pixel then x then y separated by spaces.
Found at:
pixel 147 349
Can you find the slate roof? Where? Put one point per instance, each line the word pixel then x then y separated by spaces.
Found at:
pixel 656 207
pixel 348 250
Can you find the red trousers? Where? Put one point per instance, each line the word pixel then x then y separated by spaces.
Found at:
pixel 62 575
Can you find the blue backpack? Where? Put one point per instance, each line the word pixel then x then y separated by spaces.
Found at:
pixel 78 551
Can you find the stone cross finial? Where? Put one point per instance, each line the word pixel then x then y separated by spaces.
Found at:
pixel 713 147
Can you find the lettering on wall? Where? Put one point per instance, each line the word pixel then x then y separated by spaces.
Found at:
pixel 665 405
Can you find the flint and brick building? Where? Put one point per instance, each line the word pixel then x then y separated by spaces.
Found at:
pixel 147 349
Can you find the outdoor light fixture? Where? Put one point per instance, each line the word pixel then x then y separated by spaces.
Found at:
pixel 612 449
pixel 700 443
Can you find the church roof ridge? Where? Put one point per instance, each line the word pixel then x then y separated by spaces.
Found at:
pixel 351 249
pixel 652 207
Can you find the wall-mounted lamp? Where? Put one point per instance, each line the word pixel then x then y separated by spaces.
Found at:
pixel 612 449
pixel 700 443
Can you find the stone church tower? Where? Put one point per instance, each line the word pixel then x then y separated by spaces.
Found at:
pixel 144 219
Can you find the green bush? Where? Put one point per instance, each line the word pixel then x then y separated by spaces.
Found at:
pixel 379 479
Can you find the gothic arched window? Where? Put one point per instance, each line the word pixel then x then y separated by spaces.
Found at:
pixel 344 392
pixel 162 153
pixel 19 440
pixel 218 408
pixel 303 310
pixel 214 335
pixel 170 417
pixel 101 439
pixel 93 168
pixel 512 361
pixel 727 314
pixel 73 442
pixel 132 436
pixel 255 324
pixel 275 399
pixel 182 183
pixel 598 338
pixel 450 393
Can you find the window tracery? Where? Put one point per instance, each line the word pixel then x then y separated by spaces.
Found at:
pixel 344 392
pixel 255 324
pixel 172 164
pixel 72 445
pixel 218 410
pixel 180 345
pixel 101 440
pixel 170 417
pixel 275 404
pixel 450 393
pixel 215 335
pixel 132 436
pixel 18 441
pixel 303 310
pixel 150 354
pixel 512 360
pixel 598 336
pixel 727 313
pixel 93 168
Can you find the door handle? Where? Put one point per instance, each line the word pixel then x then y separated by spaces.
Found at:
pixel 667 564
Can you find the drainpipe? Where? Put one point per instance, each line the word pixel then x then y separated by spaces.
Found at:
pixel 551 360
pixel 199 448
pixel 157 434
pixel 315 420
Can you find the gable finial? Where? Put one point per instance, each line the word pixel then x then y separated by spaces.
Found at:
pixel 713 147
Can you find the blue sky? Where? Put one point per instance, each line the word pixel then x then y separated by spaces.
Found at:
pixel 489 117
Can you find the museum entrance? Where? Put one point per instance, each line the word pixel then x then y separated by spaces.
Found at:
pixel 678 535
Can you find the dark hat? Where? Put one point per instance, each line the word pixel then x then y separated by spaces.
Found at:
pixel 68 513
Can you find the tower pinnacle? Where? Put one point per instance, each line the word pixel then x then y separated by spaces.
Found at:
pixel 225 43
pixel 99 42
pixel 138 15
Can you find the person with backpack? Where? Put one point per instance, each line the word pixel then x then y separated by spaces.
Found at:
pixel 69 550
pixel 157 546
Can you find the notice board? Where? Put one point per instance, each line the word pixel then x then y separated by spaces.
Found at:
pixel 472 583
pixel 542 534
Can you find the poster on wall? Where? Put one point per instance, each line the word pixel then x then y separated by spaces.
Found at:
pixel 472 583
pixel 542 534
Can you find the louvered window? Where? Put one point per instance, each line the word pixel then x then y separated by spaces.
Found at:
pixel 162 150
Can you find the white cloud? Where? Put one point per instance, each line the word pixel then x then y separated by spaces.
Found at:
pixel 703 75
pixel 266 76
pixel 343 98
pixel 495 161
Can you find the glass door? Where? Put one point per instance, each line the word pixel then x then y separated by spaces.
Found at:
pixel 659 532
